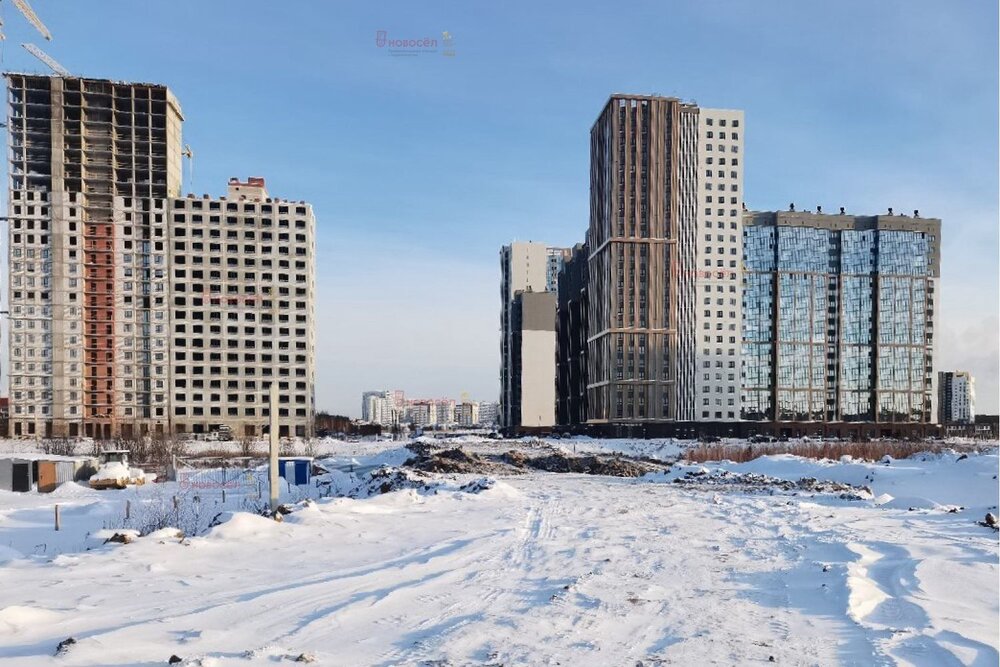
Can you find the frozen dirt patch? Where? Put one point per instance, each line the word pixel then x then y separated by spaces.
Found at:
pixel 519 460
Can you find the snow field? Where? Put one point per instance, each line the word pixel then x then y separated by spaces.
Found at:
pixel 538 569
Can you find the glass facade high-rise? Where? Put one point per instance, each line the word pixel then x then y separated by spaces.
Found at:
pixel 838 318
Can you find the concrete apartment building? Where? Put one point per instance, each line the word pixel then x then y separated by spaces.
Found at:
pixel 719 248
pixel 242 287
pixel 839 316
pixel 692 316
pixel 444 411
pixel 663 287
pixel 95 175
pixel 467 414
pixel 956 397
pixel 488 411
pixel 555 260
pixel 92 164
pixel 533 361
pixel 421 414
pixel 381 407
pixel 525 267
pixel 571 339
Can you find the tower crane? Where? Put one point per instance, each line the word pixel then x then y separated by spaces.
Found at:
pixel 29 13
pixel 46 58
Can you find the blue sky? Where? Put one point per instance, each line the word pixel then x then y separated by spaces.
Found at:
pixel 420 168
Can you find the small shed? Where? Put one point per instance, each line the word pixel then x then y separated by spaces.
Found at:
pixel 52 473
pixel 296 470
pixel 16 474
pixel 46 473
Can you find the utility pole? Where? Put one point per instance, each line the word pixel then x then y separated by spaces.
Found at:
pixel 273 467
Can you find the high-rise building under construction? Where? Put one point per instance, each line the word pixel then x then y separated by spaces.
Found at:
pixel 95 178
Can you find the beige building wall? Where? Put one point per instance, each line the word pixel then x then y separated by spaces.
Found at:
pixel 525 266
pixel 242 287
pixel 718 275
pixel 538 388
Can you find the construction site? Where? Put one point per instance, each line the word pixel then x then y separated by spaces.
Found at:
pixel 108 261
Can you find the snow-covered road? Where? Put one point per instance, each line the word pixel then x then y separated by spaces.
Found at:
pixel 541 569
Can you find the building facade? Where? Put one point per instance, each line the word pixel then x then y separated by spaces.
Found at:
pixel 525 266
pixel 444 412
pixel 556 258
pixel 92 164
pixel 488 413
pixel 420 414
pixel 379 407
pixel 956 397
pixel 571 340
pixel 703 318
pixel 664 238
pixel 533 361
pixel 95 174
pixel 719 249
pixel 467 414
pixel 839 318
pixel 242 286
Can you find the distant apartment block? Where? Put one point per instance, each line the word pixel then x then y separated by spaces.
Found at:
pixel 956 397
pixel 556 258
pixel 426 412
pixel 94 193
pixel 467 414
pixel 420 414
pixel 381 407
pixel 839 315
pixel 388 408
pixel 488 411
pixel 526 267
pixel 444 411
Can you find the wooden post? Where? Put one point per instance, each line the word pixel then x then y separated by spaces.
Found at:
pixel 128 510
pixel 223 496
pixel 273 466
pixel 57 517
pixel 175 503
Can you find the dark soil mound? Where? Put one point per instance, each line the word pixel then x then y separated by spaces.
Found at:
pixel 590 465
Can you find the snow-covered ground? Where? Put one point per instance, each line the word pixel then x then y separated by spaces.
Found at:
pixel 539 569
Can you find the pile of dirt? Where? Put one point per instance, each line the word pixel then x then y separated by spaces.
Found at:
pixel 420 448
pixel 457 460
pixel 448 461
pixel 515 458
pixel 590 465
pixel 751 481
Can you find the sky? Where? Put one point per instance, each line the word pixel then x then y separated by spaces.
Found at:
pixel 419 168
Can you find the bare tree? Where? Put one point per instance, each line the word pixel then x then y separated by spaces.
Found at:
pixel 247 447
pixel 58 447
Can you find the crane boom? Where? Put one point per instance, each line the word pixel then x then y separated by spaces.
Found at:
pixel 29 13
pixel 46 58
